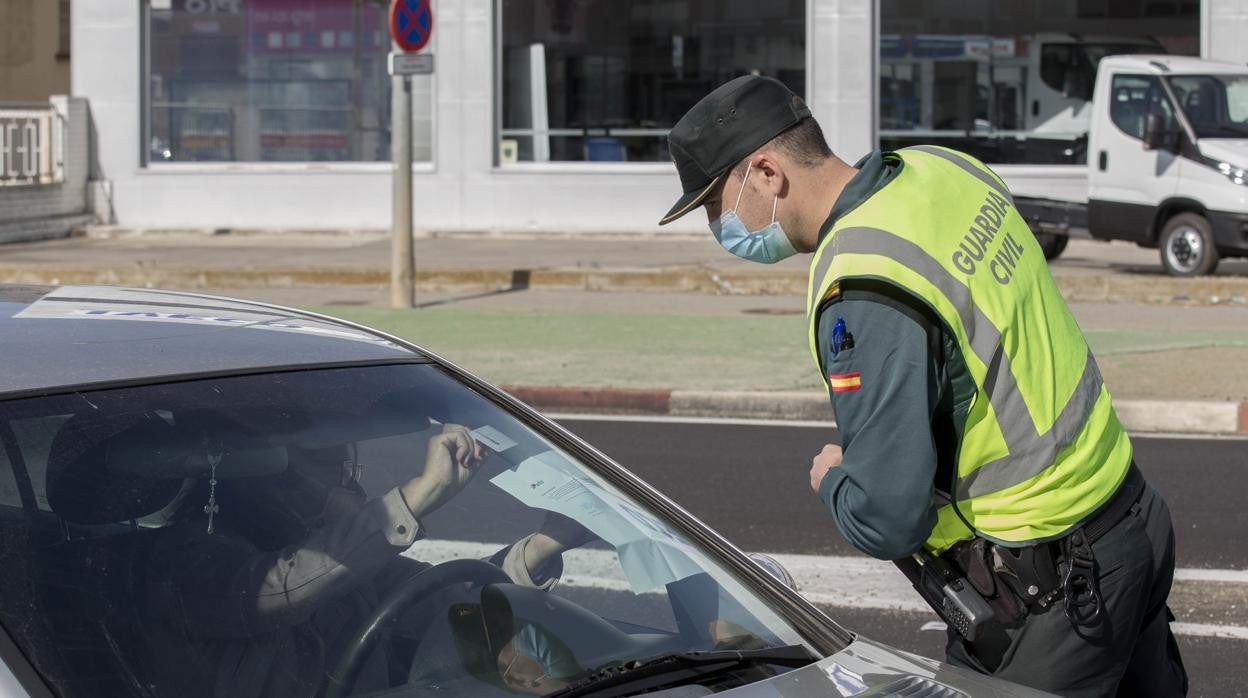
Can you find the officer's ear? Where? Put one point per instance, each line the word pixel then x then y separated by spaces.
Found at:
pixel 771 176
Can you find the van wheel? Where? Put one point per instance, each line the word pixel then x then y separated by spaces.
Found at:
pixel 1187 247
pixel 1052 244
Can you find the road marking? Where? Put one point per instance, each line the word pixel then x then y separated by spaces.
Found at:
pixel 1229 632
pixel 827 580
pixel 1232 632
pixel 1194 574
pixel 811 424
pixel 1187 437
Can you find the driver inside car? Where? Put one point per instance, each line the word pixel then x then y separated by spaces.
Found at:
pixel 260 590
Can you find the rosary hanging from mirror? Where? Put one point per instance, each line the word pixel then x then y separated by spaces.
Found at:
pixel 211 508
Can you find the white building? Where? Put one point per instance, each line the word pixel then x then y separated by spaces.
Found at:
pixel 551 115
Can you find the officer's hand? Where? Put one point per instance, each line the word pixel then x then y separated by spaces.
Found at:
pixel 451 461
pixel 828 458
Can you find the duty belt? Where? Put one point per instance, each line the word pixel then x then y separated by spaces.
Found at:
pixel 1113 511
pixel 1080 590
pixel 1016 581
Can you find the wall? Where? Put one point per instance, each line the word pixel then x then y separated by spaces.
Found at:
pixel 1224 26
pixel 31 68
pixel 462 189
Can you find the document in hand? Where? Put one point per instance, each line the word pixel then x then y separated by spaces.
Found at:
pixel 650 554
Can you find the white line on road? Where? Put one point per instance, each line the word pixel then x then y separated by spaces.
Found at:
pixel 1195 574
pixel 1230 632
pixel 838 581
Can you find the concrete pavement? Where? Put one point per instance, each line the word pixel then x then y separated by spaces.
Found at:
pixel 1088 271
pixel 667 325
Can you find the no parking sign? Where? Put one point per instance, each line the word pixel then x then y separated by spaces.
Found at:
pixel 411 24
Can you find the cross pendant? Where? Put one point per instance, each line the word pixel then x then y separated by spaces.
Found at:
pixel 211 509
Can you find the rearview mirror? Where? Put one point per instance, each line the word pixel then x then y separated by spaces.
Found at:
pixel 160 450
pixel 1157 136
pixel 1077 83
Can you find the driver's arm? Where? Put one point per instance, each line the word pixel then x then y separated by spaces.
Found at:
pixel 224 587
pixel 537 559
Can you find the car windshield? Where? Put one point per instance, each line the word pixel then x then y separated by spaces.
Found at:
pixel 1215 105
pixel 369 530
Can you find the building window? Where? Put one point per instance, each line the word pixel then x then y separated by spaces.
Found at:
pixel 274 81
pixel 604 80
pixel 1010 82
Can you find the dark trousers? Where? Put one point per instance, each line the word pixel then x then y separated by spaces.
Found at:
pixel 1128 651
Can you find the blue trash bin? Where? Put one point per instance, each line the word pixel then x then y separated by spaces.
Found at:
pixel 605 149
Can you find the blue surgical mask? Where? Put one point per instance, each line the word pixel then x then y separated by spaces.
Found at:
pixel 556 660
pixel 767 246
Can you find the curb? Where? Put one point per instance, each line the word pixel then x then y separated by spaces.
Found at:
pixel 679 279
pixel 1138 416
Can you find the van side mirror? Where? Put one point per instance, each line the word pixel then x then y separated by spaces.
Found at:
pixel 1157 136
pixel 1077 83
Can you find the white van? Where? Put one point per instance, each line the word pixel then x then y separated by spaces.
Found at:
pixel 1167 163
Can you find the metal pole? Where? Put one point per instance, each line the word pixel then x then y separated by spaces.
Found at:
pixel 402 263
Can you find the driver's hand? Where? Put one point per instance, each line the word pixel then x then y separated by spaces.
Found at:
pixel 451 461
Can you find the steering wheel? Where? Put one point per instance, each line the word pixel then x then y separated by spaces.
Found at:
pixel 342 677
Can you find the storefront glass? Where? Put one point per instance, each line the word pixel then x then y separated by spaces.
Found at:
pixel 273 81
pixel 604 80
pixel 1009 82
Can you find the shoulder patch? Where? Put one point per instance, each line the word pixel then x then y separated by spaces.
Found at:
pixel 841 337
pixel 845 382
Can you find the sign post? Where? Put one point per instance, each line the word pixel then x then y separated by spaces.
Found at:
pixel 411 26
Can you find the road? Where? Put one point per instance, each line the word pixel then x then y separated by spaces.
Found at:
pixel 749 481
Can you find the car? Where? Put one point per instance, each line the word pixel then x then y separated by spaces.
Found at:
pixel 207 496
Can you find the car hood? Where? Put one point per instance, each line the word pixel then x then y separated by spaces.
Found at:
pixel 866 668
pixel 1229 150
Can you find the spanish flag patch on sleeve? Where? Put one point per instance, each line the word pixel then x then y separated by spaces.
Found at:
pixel 845 382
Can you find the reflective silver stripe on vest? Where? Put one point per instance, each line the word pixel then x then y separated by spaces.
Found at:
pixel 1022 465
pixel 965 165
pixel 980 332
pixel 816 282
pixel 1030 451
pixel 825 260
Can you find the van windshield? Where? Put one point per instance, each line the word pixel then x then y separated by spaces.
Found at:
pixel 1215 105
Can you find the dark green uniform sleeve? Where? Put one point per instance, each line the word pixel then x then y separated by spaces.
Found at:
pixel 882 495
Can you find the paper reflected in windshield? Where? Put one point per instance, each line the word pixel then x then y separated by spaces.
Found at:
pixel 649 553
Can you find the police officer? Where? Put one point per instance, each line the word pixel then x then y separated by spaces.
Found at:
pixel 975 425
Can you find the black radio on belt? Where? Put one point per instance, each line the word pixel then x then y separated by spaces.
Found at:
pixel 948 593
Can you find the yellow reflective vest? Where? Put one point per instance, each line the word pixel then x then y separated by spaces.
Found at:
pixel 1042 448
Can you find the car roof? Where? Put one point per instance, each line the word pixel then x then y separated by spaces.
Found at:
pixel 1162 64
pixel 58 337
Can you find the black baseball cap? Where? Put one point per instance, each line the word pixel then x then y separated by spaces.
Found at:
pixel 723 128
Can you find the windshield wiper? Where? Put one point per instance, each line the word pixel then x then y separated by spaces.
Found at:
pixel 679 668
